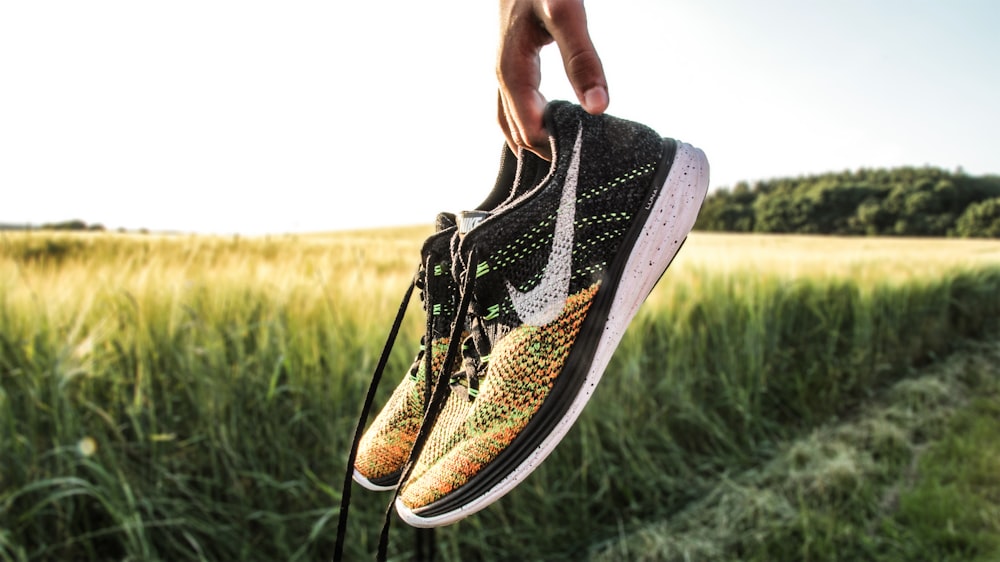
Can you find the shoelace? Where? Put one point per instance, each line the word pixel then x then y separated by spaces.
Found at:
pixel 476 355
pixel 419 281
pixel 435 393
pixel 345 498
pixel 435 404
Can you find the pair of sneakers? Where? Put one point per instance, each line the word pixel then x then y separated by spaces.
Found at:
pixel 527 298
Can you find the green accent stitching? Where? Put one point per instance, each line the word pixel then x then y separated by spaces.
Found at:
pixel 628 176
pixel 494 311
pixel 536 237
pixel 417 374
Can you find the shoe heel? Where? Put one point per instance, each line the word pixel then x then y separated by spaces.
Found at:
pixel 670 220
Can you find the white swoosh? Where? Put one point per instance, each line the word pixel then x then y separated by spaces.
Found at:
pixel 544 302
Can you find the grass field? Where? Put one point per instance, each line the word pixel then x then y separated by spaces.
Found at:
pixel 778 398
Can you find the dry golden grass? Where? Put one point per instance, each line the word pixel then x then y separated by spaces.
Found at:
pixel 834 255
pixel 219 379
pixel 365 271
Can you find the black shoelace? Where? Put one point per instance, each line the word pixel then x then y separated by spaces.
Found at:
pixel 345 498
pixel 435 393
pixel 435 404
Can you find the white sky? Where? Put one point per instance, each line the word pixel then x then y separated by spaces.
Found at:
pixel 269 117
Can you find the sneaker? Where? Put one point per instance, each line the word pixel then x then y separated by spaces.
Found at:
pixel 385 446
pixel 553 278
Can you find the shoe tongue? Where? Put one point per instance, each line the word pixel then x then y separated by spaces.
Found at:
pixel 444 222
pixel 467 220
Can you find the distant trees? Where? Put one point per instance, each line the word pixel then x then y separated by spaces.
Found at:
pixel 980 219
pixel 75 225
pixel 902 202
pixel 72 225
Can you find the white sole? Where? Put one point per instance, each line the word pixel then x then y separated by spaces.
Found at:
pixel 670 220
pixel 369 485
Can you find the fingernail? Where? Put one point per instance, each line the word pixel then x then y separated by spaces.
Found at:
pixel 595 100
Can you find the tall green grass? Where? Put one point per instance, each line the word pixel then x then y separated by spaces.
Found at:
pixel 193 398
pixel 911 475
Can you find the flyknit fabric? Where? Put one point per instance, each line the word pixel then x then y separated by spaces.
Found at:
pixel 523 368
pixel 617 161
pixel 386 445
pixel 539 263
pixel 448 430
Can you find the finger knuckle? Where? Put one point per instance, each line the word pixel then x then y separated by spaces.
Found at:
pixel 558 11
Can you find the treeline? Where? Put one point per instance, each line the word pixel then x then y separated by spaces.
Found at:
pixel 77 225
pixel 904 201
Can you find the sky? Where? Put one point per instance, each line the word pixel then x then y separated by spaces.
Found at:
pixel 265 117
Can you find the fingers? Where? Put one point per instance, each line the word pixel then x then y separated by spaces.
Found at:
pixel 566 21
pixel 519 75
pixel 527 26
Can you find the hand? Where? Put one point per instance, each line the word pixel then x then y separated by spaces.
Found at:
pixel 525 27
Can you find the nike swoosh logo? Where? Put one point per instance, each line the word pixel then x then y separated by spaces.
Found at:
pixel 544 302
